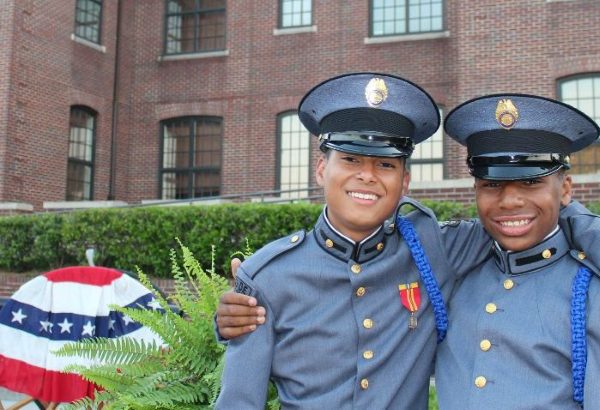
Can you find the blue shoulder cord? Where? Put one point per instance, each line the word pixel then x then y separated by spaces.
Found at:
pixel 580 287
pixel 406 229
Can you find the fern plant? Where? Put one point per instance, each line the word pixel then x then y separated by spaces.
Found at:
pixel 184 373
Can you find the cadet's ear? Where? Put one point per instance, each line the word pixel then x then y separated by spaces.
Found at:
pixel 320 171
pixel 566 190
pixel 405 181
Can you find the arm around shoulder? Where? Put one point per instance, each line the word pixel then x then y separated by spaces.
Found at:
pixel 248 358
pixel 582 229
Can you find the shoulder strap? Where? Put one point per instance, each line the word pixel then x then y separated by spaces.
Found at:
pixel 580 287
pixel 255 263
pixel 406 229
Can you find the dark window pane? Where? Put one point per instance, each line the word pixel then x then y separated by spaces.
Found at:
pixel 195 26
pixel 393 17
pixel 212 32
pixel 81 154
pixel 87 19
pixel 192 150
pixel 187 33
pixel 78 182
pixel 207 183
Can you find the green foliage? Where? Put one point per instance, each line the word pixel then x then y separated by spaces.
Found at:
pixel 185 373
pixel 129 237
pixel 142 236
pixel 433 401
pixel 594 207
pixel 446 211
pixel 15 239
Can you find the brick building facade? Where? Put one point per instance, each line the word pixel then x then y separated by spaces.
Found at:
pixel 139 76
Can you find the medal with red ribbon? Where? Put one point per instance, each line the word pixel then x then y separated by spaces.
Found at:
pixel 410 294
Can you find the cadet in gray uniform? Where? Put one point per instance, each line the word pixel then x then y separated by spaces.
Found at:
pixel 524 328
pixel 353 306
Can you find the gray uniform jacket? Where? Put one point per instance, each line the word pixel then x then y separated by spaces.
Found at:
pixel 336 334
pixel 509 337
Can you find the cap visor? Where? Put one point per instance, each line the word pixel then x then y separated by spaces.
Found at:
pixel 371 150
pixel 512 173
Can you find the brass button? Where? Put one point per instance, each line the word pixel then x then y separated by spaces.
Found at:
pixel 581 256
pixel 368 323
pixel 546 254
pixel 329 243
pixel 480 382
pixel 364 384
pixel 356 268
pixel 485 345
pixel 380 246
pixel 360 291
pixel 490 308
pixel 508 284
pixel 368 354
pixel 295 238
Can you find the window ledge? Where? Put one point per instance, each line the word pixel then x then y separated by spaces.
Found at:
pixel 407 37
pixel 88 43
pixel 193 56
pixel 16 206
pixel 65 205
pixel 184 202
pixel 294 30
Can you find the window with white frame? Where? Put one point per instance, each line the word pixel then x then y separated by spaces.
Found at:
pixel 88 14
pixel 295 13
pixel 398 17
pixel 293 145
pixel 80 162
pixel 427 160
pixel 583 92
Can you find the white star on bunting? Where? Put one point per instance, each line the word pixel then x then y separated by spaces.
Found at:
pixel 154 304
pixel 65 326
pixel 46 326
pixel 88 329
pixel 18 316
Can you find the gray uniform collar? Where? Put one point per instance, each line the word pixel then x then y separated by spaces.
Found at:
pixel 543 254
pixel 344 248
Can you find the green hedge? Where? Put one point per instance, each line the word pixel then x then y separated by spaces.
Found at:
pixel 128 237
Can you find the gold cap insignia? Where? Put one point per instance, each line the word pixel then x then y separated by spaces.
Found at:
pixel 376 92
pixel 506 114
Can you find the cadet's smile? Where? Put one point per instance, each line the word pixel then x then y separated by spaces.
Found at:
pixel 360 191
pixel 363 197
pixel 514 225
pixel 520 214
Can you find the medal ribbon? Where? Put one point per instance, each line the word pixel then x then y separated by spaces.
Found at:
pixel 410 294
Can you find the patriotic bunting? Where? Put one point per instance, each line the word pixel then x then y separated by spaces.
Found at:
pixel 59 307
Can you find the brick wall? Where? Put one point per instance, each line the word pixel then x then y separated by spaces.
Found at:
pixel 50 73
pixel 491 46
pixel 6 51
